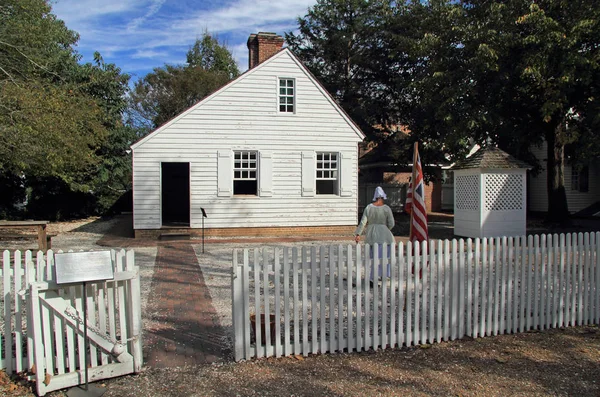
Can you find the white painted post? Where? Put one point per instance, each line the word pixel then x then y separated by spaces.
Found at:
pixel 410 280
pixel 509 287
pixel 498 277
pixel 322 307
pixel 340 306
pixel 517 280
pixel 424 291
pixel 432 291
pixel 393 341
pixel 416 292
pixel 286 302
pixel 331 289
pixel 447 292
pixel 40 369
pixel 376 299
pixel 530 286
pixel 367 312
pixel 491 301
pixel 476 298
pixel 523 286
pixel 350 322
pixel 586 278
pixel 277 282
pixel 455 290
pixel 439 265
pixel 461 288
pixel 360 341
pixel 484 288
pixel 246 304
pixel 597 278
pixel 580 264
pixel 135 312
pixel 401 295
pixel 296 314
pixel 314 311
pixel 237 312
pixel 503 273
pixel 469 303
pixel 8 342
pixel 257 300
pixel 30 279
pixel 305 267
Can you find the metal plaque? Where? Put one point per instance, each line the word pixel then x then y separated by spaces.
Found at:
pixel 76 267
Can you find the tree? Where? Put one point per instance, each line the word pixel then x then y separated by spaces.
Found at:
pixel 515 73
pixel 57 117
pixel 169 90
pixel 339 41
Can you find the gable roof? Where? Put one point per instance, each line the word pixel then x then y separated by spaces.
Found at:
pixel 490 157
pixel 245 75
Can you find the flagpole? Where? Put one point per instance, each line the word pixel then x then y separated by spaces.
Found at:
pixel 412 188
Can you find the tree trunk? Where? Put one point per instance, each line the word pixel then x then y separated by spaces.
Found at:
pixel 558 210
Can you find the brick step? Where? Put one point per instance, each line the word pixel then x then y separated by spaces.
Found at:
pixel 174 236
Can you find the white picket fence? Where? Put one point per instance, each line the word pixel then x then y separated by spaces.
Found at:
pixel 42 325
pixel 319 299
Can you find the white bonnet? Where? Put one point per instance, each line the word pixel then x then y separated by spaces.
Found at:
pixel 379 193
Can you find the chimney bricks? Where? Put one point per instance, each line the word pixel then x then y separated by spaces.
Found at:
pixel 262 46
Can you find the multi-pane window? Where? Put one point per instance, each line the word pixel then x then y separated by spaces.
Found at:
pixel 580 179
pixel 286 95
pixel 327 173
pixel 245 173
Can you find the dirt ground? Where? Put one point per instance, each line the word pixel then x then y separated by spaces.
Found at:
pixel 556 362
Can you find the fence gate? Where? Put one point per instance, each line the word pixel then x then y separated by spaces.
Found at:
pixel 55 325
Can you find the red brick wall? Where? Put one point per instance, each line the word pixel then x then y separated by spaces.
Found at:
pixel 433 190
pixel 262 46
pixel 313 231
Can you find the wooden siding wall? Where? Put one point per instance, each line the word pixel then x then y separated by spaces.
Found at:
pixel 244 116
pixel 537 191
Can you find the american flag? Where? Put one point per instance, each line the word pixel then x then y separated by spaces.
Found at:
pixel 415 201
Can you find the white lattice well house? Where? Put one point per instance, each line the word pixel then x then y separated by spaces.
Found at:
pixel 490 195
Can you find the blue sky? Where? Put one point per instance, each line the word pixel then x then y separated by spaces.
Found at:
pixel 139 35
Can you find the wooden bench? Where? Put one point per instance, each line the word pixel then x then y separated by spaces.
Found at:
pixel 44 242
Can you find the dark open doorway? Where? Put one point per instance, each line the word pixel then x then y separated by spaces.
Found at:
pixel 175 194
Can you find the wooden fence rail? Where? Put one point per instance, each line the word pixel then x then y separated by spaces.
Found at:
pixel 291 301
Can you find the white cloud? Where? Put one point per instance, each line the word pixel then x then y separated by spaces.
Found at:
pixel 151 54
pixel 157 31
pixel 153 9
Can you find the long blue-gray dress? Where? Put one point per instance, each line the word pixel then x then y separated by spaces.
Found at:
pixel 378 220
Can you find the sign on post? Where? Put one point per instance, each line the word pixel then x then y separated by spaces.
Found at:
pixel 77 267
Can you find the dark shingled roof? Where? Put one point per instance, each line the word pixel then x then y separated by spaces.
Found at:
pixel 490 157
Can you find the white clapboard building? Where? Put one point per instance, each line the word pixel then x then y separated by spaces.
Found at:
pixel 270 153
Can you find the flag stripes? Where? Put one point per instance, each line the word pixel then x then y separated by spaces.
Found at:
pixel 416 206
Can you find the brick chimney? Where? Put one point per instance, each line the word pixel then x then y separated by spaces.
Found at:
pixel 262 46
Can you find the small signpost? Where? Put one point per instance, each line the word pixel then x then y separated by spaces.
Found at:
pixel 203 216
pixel 81 267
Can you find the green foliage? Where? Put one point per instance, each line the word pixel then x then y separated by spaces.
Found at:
pixel 455 73
pixel 208 54
pixel 61 129
pixel 339 41
pixel 169 90
pixel 516 73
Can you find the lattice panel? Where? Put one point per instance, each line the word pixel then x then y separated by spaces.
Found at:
pixel 503 192
pixel 467 192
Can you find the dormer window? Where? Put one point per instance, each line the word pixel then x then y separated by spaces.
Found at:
pixel 287 94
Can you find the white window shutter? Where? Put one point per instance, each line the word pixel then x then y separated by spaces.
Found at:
pixel 265 178
pixel 224 173
pixel 308 173
pixel 346 175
